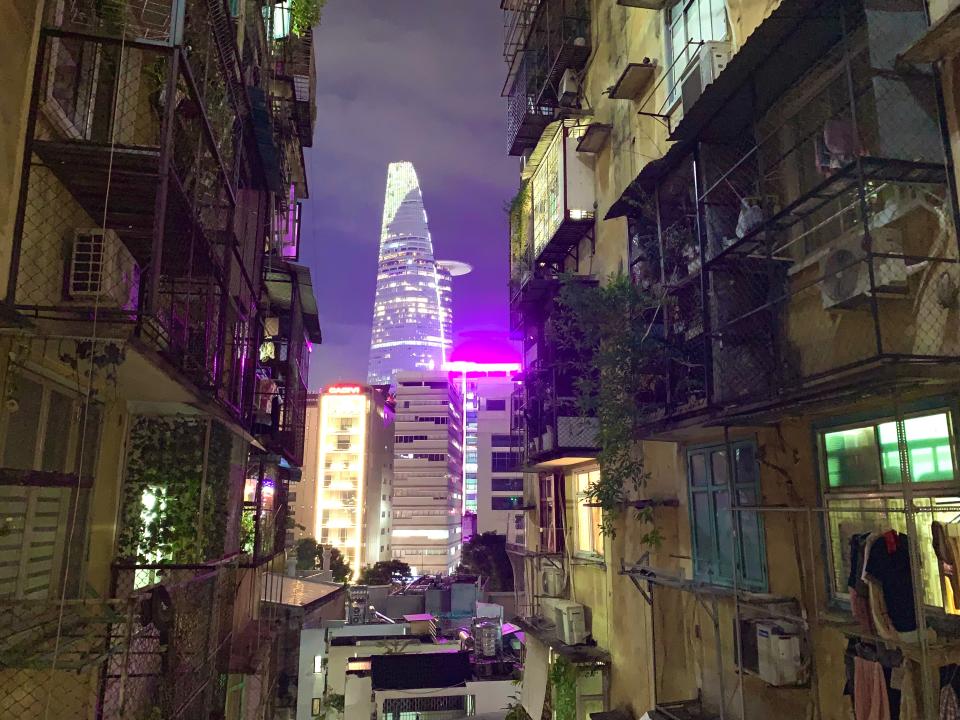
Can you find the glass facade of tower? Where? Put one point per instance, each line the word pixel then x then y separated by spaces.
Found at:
pixel 408 319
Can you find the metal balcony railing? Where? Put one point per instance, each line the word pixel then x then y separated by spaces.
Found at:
pixel 129 199
pixel 552 422
pixel 116 659
pixel 557 39
pixel 810 245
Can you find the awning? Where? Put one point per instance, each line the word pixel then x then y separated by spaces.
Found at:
pixel 266 143
pixel 308 303
pixel 533 690
pixel 777 53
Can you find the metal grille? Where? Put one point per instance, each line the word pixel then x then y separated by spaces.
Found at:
pixel 127 212
pixel 827 246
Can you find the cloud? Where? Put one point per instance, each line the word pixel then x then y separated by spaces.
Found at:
pixel 414 80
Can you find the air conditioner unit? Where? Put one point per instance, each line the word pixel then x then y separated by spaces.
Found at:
pixel 102 270
pixel 779 656
pixel 710 61
pixel 846 271
pixel 569 90
pixel 551 582
pixel 571 622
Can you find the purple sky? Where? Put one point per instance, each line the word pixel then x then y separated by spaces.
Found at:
pixel 415 80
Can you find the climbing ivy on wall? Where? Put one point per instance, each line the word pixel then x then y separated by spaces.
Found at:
pixel 169 511
pixel 609 340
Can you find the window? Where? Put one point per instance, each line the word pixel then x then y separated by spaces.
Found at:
pixel 506 484
pixel 496 404
pixel 506 502
pixel 504 440
pixel 589 537
pixel 42 427
pixel 690 22
pixel 504 461
pixel 722 539
pixel 318 663
pixel 861 471
pixel 315 707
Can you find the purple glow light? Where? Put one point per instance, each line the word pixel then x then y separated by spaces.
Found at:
pixel 467 366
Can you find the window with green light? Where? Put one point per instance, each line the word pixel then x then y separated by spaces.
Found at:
pixel 869 456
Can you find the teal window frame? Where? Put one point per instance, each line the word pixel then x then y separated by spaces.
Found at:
pixel 713 521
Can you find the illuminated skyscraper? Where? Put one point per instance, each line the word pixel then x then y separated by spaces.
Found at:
pixel 412 315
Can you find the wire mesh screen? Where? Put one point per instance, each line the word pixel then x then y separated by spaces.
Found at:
pixel 111 233
pixel 824 216
pixel 164 647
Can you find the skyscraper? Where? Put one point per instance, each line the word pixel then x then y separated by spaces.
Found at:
pixel 412 315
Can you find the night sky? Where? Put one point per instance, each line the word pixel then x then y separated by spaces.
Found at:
pixel 415 80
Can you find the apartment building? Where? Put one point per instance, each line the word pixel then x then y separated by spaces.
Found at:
pixel 773 184
pixel 349 445
pixel 428 475
pixel 154 349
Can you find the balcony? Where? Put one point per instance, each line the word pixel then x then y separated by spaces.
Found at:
pixel 284 360
pixel 562 196
pixel 114 659
pixel 557 39
pixel 807 241
pixel 129 201
pixel 556 432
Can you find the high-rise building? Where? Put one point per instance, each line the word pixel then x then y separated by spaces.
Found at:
pixel 492 479
pixel 428 474
pixel 350 506
pixel 412 315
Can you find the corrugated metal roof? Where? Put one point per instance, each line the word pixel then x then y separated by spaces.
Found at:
pixel 295 592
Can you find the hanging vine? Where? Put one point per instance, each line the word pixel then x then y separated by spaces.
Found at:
pixel 563 680
pixel 170 510
pixel 609 339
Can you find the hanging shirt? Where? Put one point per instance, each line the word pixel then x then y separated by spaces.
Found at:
pixel 888 564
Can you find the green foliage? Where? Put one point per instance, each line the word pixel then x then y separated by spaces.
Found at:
pixel 608 340
pixel 386 573
pixel 517 214
pixel 563 680
pixel 305 14
pixel 310 557
pixel 170 512
pixel 306 550
pixel 248 530
pixel 515 710
pixel 334 702
pixel 486 554
pixel 342 572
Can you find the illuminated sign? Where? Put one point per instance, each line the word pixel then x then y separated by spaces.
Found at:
pixel 344 390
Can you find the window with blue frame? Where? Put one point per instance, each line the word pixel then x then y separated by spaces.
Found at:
pixel 724 540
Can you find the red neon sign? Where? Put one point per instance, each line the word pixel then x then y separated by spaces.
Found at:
pixel 344 390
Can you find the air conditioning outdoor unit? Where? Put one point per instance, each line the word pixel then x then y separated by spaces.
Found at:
pixel 569 90
pixel 551 582
pixel 710 61
pixel 102 270
pixel 846 272
pixel 571 622
pixel 779 656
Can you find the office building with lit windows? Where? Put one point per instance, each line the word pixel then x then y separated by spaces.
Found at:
pixel 412 315
pixel 354 474
pixel 492 480
pixel 428 473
